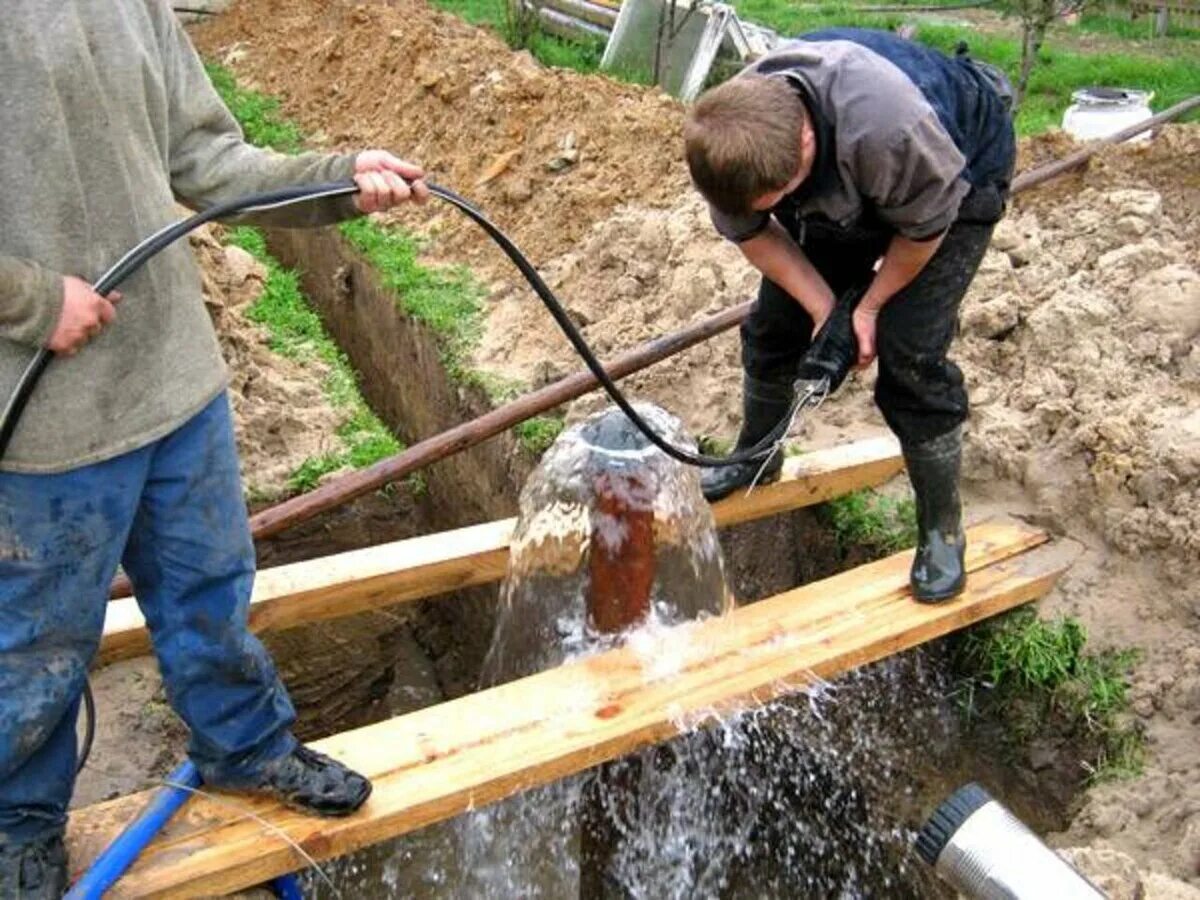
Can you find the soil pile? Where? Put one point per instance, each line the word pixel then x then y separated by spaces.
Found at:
pixel 281 415
pixel 545 152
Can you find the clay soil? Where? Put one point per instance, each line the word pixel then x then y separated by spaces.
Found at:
pixel 1078 339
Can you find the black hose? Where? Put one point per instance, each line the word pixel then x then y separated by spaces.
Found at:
pixel 156 243
pixel 89 731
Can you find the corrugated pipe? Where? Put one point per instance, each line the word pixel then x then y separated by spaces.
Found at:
pixel 985 853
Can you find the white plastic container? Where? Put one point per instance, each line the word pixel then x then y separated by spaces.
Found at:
pixel 1098 112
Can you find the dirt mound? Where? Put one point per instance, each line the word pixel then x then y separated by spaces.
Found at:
pixel 546 152
pixel 281 415
pixel 1079 342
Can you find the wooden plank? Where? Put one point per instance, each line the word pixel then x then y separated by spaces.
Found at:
pixel 408 570
pixel 438 762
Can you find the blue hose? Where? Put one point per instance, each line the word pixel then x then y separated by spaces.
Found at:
pixel 120 854
pixel 287 887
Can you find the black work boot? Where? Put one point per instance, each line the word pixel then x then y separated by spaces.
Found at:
pixel 312 782
pixel 933 466
pixel 36 870
pixel 764 404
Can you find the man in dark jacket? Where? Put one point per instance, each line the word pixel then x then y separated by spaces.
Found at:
pixel 857 161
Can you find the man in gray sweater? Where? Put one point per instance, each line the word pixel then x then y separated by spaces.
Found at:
pixel 125 453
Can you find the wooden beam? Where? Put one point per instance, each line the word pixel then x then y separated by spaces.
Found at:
pixel 408 570
pixel 443 760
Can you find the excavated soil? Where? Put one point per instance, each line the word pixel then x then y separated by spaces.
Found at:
pixel 1078 339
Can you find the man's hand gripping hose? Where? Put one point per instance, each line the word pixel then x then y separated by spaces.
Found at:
pixel 148 248
pixel 824 367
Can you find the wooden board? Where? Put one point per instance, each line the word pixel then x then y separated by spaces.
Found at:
pixel 421 567
pixel 441 761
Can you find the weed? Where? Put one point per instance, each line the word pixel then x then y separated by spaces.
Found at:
pixel 711 445
pixel 1029 670
pixel 537 434
pixel 871 520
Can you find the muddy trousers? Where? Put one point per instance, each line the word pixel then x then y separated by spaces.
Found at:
pixel 919 391
pixel 172 513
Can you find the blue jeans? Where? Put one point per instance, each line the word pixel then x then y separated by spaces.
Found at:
pixel 172 513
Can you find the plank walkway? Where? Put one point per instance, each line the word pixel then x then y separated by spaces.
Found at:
pixel 413 569
pixel 443 760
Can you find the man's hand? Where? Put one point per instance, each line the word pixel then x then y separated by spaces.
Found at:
pixel 385 181
pixel 84 315
pixel 864 322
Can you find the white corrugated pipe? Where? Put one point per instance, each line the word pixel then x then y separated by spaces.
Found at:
pixel 982 850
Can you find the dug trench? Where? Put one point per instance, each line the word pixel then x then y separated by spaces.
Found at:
pixel 878 751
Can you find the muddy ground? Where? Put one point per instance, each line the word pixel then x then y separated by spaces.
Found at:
pixel 1078 339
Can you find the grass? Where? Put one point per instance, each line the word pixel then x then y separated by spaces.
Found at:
pixel 1032 670
pixel 537 434
pixel 447 300
pixel 295 331
pixel 868 519
pixel 1060 71
pixel 259 115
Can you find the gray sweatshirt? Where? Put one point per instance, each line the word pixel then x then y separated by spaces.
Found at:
pixel 107 120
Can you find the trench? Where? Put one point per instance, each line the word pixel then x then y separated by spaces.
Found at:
pixel 893 744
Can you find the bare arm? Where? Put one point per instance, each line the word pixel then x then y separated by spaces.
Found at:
pixel 902 262
pixel 777 256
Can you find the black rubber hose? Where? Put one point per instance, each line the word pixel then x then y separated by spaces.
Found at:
pixel 156 243
pixel 89 730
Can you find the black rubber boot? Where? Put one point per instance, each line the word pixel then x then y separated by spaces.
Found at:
pixel 764 404
pixel 933 467
pixel 34 871
pixel 313 782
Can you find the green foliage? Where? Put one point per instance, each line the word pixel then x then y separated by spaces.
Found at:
pixel 1029 670
pixel 259 115
pixel 448 300
pixel 294 330
pixel 871 520
pixel 711 445
pixel 537 434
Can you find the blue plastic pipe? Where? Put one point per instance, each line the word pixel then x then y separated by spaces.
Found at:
pixel 120 854
pixel 287 887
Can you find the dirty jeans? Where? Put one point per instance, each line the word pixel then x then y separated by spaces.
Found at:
pixel 919 391
pixel 172 513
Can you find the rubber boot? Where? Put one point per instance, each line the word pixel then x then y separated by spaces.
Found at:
pixel 36 870
pixel 764 404
pixel 933 467
pixel 312 782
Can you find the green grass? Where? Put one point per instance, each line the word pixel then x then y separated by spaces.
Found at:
pixel 259 115
pixel 447 300
pixel 294 330
pixel 1059 71
pixel 1031 670
pixel 537 434
pixel 873 521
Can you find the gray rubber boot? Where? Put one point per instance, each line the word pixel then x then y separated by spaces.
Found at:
pixel 764 404
pixel 933 468
pixel 36 870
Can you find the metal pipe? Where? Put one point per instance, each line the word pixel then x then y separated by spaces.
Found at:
pixel 121 853
pixel 984 852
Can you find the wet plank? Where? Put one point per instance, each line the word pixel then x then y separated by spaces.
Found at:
pixel 426 566
pixel 441 761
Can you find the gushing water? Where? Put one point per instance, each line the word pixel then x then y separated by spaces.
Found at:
pixel 805 797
